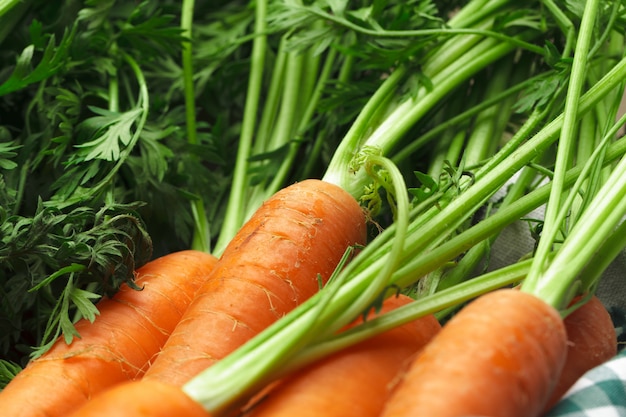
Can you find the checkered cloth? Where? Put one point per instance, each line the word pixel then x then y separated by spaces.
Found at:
pixel 601 392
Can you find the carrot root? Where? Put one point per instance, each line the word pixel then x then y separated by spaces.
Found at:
pixel 592 340
pixel 130 330
pixel 269 267
pixel 499 356
pixel 354 381
pixel 142 399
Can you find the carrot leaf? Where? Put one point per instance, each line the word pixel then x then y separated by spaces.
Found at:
pixel 8 370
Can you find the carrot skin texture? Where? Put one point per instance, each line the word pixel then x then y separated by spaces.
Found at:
pixel 141 399
pixel 355 381
pixel 269 267
pixel 592 340
pixel 130 330
pixel 500 356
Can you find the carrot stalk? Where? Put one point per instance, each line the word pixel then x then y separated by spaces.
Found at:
pixel 270 266
pixel 119 346
pixel 499 356
pixel 354 381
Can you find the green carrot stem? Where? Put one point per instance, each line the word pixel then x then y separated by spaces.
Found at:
pixel 455 121
pixel 565 24
pixel 475 253
pixel 475 11
pixel 425 262
pixel 448 31
pixel 310 110
pixel 610 249
pixel 271 105
pixel 201 236
pixel 336 171
pixel 407 113
pixel 601 214
pixel 430 304
pixel 566 141
pixel 601 217
pixel 234 216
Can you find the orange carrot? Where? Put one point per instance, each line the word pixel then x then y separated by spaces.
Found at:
pixel 142 398
pixel 501 355
pixel 130 330
pixel 592 340
pixel 270 266
pixel 354 381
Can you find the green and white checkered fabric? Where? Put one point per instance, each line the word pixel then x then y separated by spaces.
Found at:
pixel 601 392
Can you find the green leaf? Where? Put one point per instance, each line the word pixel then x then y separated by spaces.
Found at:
pixel 427 189
pixel 7 151
pixel 106 132
pixel 70 269
pixel 8 370
pixel 82 299
pixel 52 61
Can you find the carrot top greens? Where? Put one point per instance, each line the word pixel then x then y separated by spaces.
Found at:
pixel 134 130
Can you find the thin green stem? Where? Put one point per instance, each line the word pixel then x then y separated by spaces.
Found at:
pixel 604 211
pixel 337 172
pixel 282 133
pixel 186 25
pixel 518 42
pixel 310 111
pixel 566 142
pixel 407 113
pixel 566 25
pixel 395 186
pixel 201 238
pixel 271 104
pixel 601 217
pixel 475 11
pixel 234 216
pixel 430 304
pixel 457 120
pixel 612 247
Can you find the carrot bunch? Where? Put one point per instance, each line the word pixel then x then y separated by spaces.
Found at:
pixel 301 313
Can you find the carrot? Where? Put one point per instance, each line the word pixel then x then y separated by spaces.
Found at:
pixel 142 398
pixel 592 340
pixel 269 267
pixel 499 356
pixel 354 381
pixel 131 328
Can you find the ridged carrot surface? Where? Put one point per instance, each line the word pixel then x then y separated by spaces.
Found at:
pixel 270 266
pixel 591 340
pixel 130 330
pixel 142 399
pixel 354 381
pixel 500 356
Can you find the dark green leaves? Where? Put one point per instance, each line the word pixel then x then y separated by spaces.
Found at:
pixel 29 68
pixel 7 153
pixel 58 262
pixel 7 371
